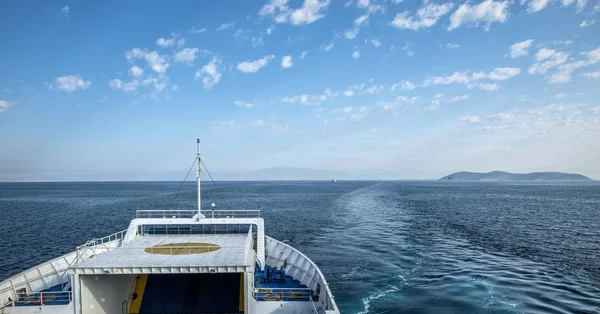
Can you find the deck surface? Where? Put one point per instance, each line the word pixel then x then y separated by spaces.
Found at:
pixel 232 252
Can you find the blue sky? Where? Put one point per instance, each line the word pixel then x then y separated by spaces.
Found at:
pixel 119 90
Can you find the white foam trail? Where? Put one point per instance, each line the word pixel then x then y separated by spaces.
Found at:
pixel 367 301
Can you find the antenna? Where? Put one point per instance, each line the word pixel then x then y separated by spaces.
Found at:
pixel 199 161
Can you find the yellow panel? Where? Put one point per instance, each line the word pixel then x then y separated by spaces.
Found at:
pixel 241 305
pixel 140 286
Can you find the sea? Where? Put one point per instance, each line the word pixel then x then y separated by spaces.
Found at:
pixel 383 246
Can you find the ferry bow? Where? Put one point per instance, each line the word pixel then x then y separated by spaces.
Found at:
pixel 175 261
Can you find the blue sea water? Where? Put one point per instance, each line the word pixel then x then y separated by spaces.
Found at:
pixel 384 247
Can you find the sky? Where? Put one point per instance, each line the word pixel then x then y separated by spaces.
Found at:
pixel 120 90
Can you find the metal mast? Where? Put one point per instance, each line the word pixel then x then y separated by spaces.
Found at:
pixel 198 161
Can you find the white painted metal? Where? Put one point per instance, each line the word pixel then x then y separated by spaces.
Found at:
pixel 302 269
pixel 198 163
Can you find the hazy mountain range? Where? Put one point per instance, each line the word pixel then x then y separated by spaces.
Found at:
pixel 507 176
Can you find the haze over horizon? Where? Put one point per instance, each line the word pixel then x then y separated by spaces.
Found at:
pixel 120 90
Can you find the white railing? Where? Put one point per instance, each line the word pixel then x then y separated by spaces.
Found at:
pixel 157 213
pixel 42 299
pixel 282 294
pixel 40 277
pixel 101 245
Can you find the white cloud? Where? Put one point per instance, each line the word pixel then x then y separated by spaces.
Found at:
pixel 157 62
pixel 4 106
pixel 254 66
pixel 592 75
pixel 452 45
pixel 286 62
pixel 197 30
pixel 159 83
pixel 311 11
pixel 186 55
pixel 243 104
pixel 135 53
pixel 593 56
pixel 459 98
pixel 328 47
pixel 501 74
pixel 342 110
pixel 305 99
pixel 404 85
pixel 356 54
pixel 66 11
pixel 565 71
pixel 587 23
pixel 209 73
pixel 351 33
pixel 363 3
pixel 426 16
pixel 469 119
pixel 490 87
pixel 456 77
pixel 257 41
pixel 181 42
pixel 165 42
pixel 225 26
pixel 537 5
pixel 434 106
pixel 125 86
pixel 270 29
pixel 361 19
pixel 136 71
pixel 502 116
pixel 544 54
pixel 400 101
pixel 71 83
pixel 376 42
pixel 520 49
pixel 487 12
pixel 547 59
pixel 362 89
pixel 303 54
pixel 274 127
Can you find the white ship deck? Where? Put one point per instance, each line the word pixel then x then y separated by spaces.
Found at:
pixel 187 253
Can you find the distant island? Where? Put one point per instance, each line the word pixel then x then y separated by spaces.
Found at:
pixel 507 176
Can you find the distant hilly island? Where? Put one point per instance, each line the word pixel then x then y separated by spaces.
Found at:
pixel 507 176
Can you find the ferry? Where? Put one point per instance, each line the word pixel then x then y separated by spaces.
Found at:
pixel 175 261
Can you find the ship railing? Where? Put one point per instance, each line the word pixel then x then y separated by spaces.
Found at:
pixel 42 298
pixel 282 294
pixel 97 246
pixel 43 276
pixel 238 213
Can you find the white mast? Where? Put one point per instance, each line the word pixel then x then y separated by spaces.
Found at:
pixel 198 161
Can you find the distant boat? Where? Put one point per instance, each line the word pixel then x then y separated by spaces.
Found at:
pixel 333 180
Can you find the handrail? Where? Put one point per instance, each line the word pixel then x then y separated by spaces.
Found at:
pixel 158 213
pixel 281 294
pixel 27 281
pixel 41 298
pixel 109 238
